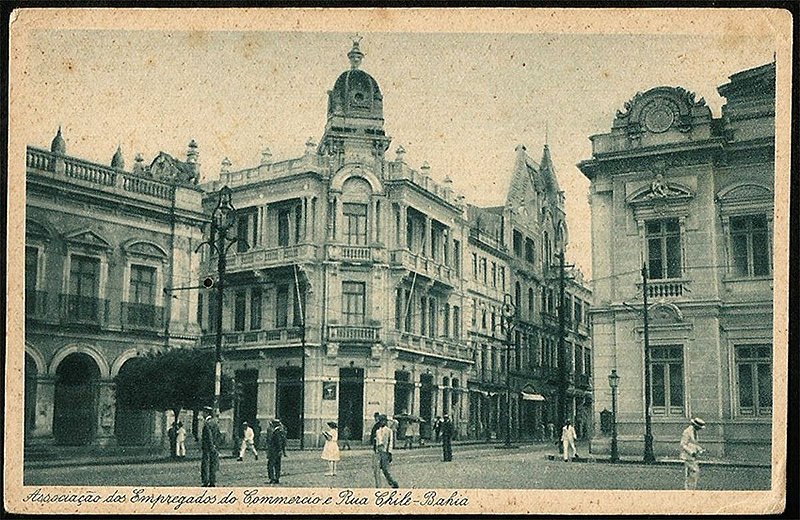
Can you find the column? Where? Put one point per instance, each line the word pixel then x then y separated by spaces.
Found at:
pixel 45 397
pixel 427 238
pixel 106 411
pixel 304 226
pixel 415 397
pixel 339 222
pixel 403 232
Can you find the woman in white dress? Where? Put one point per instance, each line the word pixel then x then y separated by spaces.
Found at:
pixel 330 451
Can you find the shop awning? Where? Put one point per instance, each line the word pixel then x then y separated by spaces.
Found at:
pixel 526 396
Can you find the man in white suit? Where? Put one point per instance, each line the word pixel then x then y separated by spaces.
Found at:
pixel 690 450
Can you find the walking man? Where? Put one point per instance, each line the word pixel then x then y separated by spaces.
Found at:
pixel 172 434
pixel 376 461
pixel 384 443
pixel 209 463
pixel 568 437
pixel 276 449
pixel 690 450
pixel 446 431
pixel 248 441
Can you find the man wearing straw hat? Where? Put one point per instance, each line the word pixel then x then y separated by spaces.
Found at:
pixel 690 450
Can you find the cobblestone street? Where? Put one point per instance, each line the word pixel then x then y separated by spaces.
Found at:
pixel 473 467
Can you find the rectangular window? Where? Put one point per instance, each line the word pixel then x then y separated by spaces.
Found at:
pixel 531 303
pixel 484 270
pixel 239 303
pixel 355 223
pixel 282 306
pixel 353 302
pixel 409 319
pixel 475 266
pixel 587 361
pixel 754 379
pixel 246 229
pixel 578 312
pixel 457 257
pixel 456 322
pixel 517 243
pixel 750 251
pixel 474 320
pixel 436 242
pixel 494 274
pixel 84 285
pixel 502 278
pixel 140 308
pixel 255 309
pixel 398 309
pixel 664 248
pixel 432 318
pixel 423 316
pixel 666 375
pixel 283 227
pixel 529 248
pixel 446 320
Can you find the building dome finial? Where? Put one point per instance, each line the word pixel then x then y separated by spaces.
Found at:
pixel 355 55
pixel 118 161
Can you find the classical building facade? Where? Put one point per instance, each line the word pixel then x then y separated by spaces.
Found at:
pixel 102 243
pixel 690 197
pixel 359 285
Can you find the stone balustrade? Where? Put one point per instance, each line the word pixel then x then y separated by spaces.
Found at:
pixel 354 333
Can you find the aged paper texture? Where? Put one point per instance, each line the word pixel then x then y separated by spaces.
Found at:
pixel 464 93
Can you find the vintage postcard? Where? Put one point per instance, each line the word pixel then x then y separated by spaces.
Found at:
pixel 439 261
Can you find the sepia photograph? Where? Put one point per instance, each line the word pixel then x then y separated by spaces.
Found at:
pixel 397 261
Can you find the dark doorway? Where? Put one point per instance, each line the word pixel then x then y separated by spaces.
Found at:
pixel 426 405
pixel 403 392
pixel 132 427
pixel 75 403
pixel 288 405
pixel 351 401
pixel 31 375
pixel 246 406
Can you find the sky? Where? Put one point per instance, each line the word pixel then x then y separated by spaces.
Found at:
pixel 461 102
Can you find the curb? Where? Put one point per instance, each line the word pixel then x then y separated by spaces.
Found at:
pixel 663 462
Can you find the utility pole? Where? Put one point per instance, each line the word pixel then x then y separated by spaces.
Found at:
pixel 302 310
pixel 649 456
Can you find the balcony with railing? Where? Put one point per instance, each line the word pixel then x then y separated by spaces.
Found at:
pixel 84 310
pixel 424 265
pixel 399 171
pixel 35 304
pixel 142 316
pixel 440 346
pixel 97 175
pixel 307 163
pixel 354 333
pixel 260 338
pixel 666 289
pixel 262 257
pixel 355 253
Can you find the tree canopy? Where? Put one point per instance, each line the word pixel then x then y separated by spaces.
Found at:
pixel 173 379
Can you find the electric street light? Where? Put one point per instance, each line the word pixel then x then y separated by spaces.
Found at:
pixel 613 382
pixel 223 218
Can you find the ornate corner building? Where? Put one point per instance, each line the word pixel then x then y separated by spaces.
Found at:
pixel 691 197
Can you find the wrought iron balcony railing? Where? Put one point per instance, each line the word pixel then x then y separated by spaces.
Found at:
pixel 86 310
pixel 142 316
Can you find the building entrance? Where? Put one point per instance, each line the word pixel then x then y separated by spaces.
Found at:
pixel 246 403
pixel 426 405
pixel 351 401
pixel 288 403
pixel 75 403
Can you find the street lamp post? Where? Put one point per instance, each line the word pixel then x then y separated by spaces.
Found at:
pixel 613 382
pixel 649 455
pixel 509 312
pixel 222 219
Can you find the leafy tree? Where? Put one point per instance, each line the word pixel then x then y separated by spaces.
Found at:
pixel 173 379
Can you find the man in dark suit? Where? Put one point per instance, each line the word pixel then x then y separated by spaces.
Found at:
pixel 209 463
pixel 276 450
pixel 446 430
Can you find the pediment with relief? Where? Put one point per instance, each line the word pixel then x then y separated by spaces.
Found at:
pixel 660 190
pixel 142 248
pixel 88 238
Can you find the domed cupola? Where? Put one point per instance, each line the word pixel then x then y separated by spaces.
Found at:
pixel 355 93
pixel 354 129
pixel 58 145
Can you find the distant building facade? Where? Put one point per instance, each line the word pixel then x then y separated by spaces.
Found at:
pixel 691 197
pixel 102 243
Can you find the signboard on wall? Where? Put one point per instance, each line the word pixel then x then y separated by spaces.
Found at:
pixel 329 390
